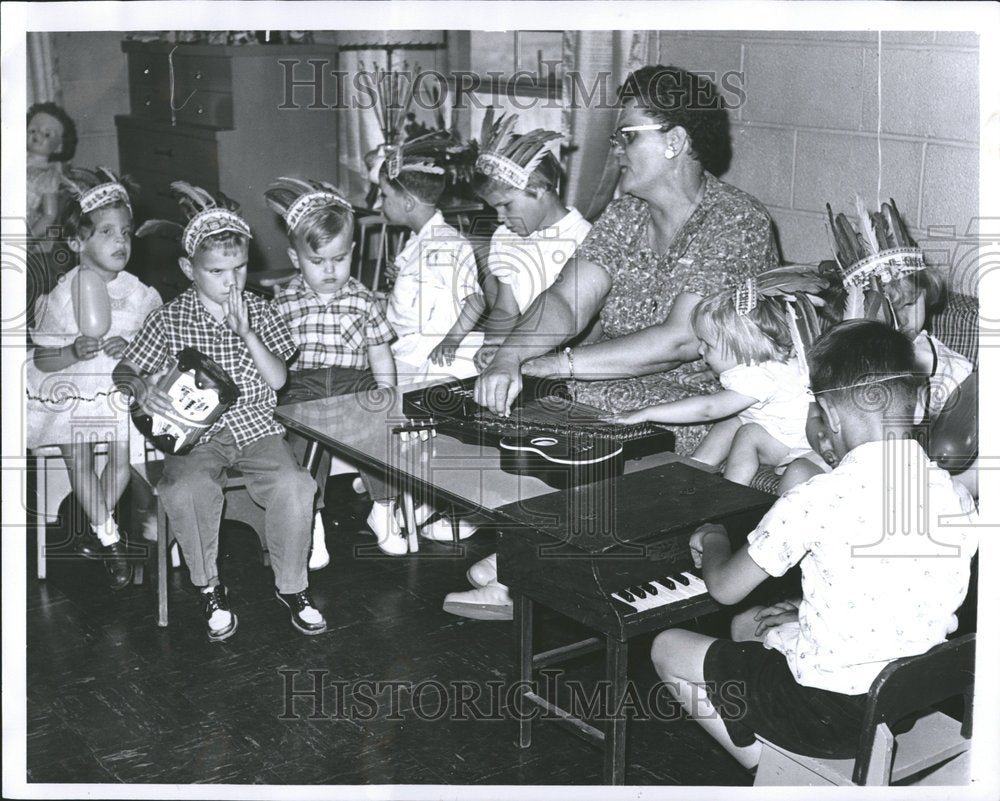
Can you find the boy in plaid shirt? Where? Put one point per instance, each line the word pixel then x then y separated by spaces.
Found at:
pixel 338 325
pixel 252 343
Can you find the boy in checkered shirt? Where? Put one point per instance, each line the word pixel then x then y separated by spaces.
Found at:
pixel 251 342
pixel 337 323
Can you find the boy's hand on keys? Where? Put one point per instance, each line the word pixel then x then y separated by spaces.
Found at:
pixel 771 616
pixel 115 346
pixel 237 315
pixel 85 348
pixel 697 541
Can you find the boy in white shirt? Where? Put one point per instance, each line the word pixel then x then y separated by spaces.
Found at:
pixel 871 594
pixel 538 235
pixel 436 299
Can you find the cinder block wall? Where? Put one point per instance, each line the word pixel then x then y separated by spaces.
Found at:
pixel 807 133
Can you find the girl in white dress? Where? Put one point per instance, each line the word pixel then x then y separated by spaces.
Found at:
pixel 761 413
pixel 72 402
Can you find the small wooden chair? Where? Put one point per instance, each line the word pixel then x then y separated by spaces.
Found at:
pixel 390 241
pixel 905 688
pixel 239 507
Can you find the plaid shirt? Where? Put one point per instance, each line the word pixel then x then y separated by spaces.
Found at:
pixel 185 322
pixel 336 333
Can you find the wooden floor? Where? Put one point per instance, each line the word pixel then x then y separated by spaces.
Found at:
pixel 113 698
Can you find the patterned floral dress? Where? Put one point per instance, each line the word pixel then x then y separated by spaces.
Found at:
pixel 728 237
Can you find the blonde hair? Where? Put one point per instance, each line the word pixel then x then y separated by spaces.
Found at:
pixel 760 335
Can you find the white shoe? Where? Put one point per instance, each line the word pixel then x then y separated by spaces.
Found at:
pixel 319 557
pixel 492 602
pixel 440 530
pixel 382 521
pixel 483 572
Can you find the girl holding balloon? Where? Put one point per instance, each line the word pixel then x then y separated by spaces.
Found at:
pixel 82 329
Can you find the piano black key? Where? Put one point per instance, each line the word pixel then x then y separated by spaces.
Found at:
pixel 682 579
pixel 627 596
pixel 638 591
pixel 666 582
pixel 649 588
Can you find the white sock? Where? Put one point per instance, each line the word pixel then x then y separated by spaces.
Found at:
pixel 107 532
pixel 319 532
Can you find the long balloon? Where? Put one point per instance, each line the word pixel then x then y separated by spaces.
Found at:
pixel 91 304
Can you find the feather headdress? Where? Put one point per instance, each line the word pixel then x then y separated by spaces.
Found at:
pixel 881 251
pixel 507 157
pixel 799 286
pixel 207 216
pixel 295 199
pixel 93 189
pixel 436 153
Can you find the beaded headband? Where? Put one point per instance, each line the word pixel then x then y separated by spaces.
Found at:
pixel 888 265
pixel 745 297
pixel 209 223
pixel 304 205
pixel 103 195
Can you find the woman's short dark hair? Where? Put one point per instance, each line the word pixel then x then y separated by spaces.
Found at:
pixel 68 149
pixel 675 96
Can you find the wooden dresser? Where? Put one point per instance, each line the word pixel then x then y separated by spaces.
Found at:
pixel 232 127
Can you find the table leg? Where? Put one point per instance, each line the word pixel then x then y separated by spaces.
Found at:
pixel 410 517
pixel 523 608
pixel 311 459
pixel 616 673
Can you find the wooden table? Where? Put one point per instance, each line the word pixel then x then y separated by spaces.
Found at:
pixel 359 428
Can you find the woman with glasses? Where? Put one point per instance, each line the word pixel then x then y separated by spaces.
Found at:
pixel 676 235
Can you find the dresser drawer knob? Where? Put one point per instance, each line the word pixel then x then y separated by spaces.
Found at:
pixel 197 75
pixel 164 151
pixel 148 102
pixel 201 110
pixel 145 71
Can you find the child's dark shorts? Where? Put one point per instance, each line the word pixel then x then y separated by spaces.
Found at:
pixel 754 692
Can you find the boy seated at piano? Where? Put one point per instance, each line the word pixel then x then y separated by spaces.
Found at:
pixel 339 327
pixel 869 595
pixel 519 177
pixel 747 340
pixel 244 335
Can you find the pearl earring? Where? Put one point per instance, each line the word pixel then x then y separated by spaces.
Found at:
pixel 669 153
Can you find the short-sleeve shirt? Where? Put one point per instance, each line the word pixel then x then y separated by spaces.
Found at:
pixel 437 272
pixel 782 393
pixel 727 237
pixel 530 264
pixel 335 331
pixel 185 322
pixel 884 542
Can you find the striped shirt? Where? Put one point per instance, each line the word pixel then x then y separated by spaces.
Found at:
pixel 333 332
pixel 185 322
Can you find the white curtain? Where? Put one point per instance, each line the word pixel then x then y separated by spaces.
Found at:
pixel 43 81
pixel 596 58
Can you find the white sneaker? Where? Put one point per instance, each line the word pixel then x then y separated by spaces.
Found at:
pixel 483 572
pixel 492 602
pixel 382 521
pixel 319 557
pixel 440 530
